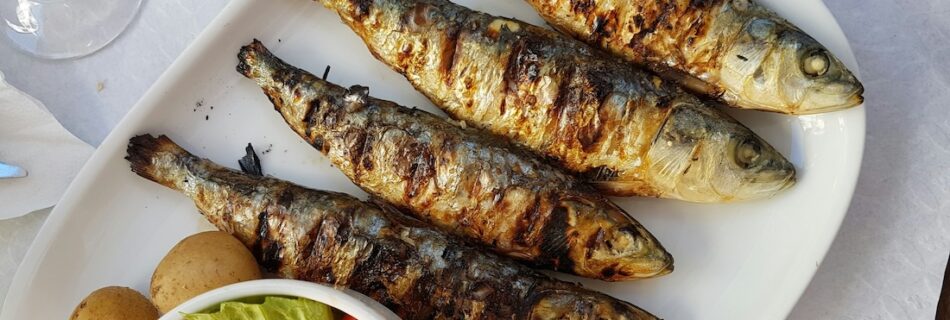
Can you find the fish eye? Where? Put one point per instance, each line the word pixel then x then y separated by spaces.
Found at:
pixel 815 63
pixel 748 153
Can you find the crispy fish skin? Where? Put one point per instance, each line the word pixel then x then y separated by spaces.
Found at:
pixel 460 179
pixel 624 130
pixel 327 237
pixel 734 50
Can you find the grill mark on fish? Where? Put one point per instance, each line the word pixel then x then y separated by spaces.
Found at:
pixel 527 226
pixel 636 41
pixel 448 53
pixel 266 248
pixel 468 182
pixel 604 26
pixel 703 4
pixel 356 140
pixel 310 119
pixel 421 171
pixel 582 89
pixel 336 239
pixel 582 6
pixel 361 7
pixel 523 65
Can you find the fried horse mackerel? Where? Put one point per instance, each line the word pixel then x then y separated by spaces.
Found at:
pixel 462 180
pixel 415 270
pixel 623 129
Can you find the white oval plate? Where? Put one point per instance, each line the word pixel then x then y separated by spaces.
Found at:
pixel 738 261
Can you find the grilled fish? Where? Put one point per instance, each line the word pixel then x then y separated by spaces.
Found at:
pixel 462 180
pixel 327 237
pixel 734 50
pixel 624 130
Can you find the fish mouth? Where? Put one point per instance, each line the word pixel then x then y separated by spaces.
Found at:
pixel 855 98
pixel 787 184
pixel 658 263
pixel 667 267
pixel 780 187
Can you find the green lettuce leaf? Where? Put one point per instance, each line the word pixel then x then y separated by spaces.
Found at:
pixel 273 308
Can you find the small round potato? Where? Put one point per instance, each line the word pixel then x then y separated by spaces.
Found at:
pixel 198 264
pixel 115 303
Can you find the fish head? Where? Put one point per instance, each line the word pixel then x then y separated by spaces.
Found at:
pixel 702 155
pixel 563 302
pixel 774 66
pixel 616 247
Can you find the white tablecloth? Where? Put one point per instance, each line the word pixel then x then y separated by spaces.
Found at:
pixel 887 262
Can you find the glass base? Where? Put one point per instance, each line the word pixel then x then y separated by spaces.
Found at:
pixel 62 29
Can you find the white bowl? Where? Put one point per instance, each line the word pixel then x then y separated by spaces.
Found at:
pixel 353 303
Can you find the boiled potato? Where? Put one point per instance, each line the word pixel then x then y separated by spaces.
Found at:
pixel 198 264
pixel 115 303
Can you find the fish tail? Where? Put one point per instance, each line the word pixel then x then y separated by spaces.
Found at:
pixel 249 59
pixel 149 156
pixel 143 149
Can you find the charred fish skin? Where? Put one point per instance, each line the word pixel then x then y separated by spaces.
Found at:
pixel 734 50
pixel 327 237
pixel 595 114
pixel 460 179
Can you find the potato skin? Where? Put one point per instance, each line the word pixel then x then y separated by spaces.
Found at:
pixel 115 303
pixel 200 263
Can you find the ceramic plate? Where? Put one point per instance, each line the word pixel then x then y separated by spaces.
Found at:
pixel 738 261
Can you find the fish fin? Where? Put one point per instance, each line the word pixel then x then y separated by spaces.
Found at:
pixel 384 205
pixel 395 212
pixel 250 163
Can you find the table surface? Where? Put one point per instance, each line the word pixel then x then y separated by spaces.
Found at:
pixel 886 263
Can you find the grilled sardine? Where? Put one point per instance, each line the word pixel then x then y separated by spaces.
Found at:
pixel 460 179
pixel 327 237
pixel 734 50
pixel 626 131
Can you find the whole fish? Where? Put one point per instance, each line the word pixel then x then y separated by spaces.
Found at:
pixel 623 129
pixel 408 266
pixel 462 180
pixel 734 50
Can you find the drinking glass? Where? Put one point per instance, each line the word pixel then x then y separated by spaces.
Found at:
pixel 61 29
